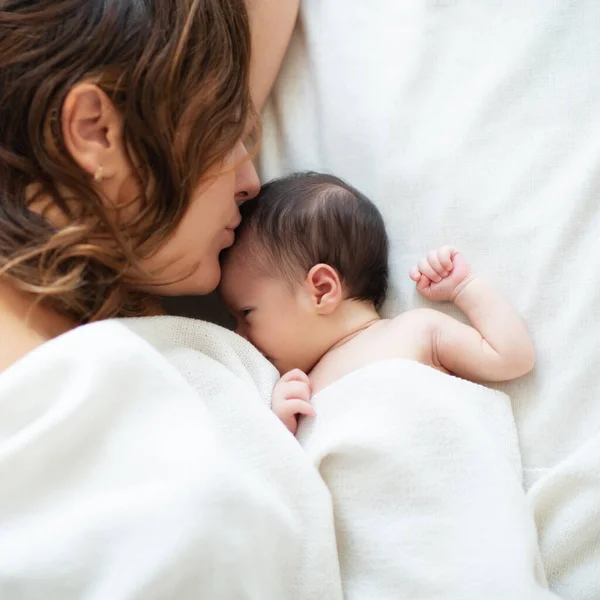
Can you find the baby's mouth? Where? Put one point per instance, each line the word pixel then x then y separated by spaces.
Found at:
pixel 271 360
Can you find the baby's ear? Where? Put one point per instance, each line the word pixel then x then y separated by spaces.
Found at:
pixel 325 288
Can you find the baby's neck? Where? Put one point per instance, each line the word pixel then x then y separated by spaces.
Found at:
pixel 354 318
pixel 341 354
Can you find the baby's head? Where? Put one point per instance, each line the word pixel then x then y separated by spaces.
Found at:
pixel 310 249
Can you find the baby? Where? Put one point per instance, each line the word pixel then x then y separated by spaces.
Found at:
pixel 308 273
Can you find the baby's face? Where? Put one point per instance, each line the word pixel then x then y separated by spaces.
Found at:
pixel 273 317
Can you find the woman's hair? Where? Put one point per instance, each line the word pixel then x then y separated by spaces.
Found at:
pixel 177 71
pixel 309 218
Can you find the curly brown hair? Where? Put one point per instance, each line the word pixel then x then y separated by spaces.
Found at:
pixel 178 73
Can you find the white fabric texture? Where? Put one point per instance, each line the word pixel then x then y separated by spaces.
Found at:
pixel 424 469
pixel 119 480
pixel 425 475
pixel 478 124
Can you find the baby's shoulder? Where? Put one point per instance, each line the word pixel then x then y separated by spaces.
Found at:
pixel 408 335
pixel 417 319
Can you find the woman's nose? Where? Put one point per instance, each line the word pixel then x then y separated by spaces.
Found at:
pixel 247 184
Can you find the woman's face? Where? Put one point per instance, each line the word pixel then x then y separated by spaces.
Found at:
pixel 189 261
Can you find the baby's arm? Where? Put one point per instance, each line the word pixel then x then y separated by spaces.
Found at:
pixel 291 397
pixel 497 345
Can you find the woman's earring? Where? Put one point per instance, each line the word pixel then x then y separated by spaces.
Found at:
pixel 99 174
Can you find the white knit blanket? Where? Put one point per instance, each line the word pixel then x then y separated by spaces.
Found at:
pixel 124 478
pixel 424 470
pixel 425 474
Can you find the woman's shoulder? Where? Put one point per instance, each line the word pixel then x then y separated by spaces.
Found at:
pixel 152 365
pixel 103 397
pixel 102 372
pixel 101 346
pixel 91 370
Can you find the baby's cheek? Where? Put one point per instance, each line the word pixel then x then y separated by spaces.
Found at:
pixel 258 336
pixel 270 343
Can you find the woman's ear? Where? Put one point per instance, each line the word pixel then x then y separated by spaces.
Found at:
pixel 325 289
pixel 93 135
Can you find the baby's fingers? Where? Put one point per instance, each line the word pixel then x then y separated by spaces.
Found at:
pixel 434 260
pixel 427 270
pixel 296 375
pixel 296 390
pixel 414 273
pixel 296 407
pixel 445 254
pixel 423 284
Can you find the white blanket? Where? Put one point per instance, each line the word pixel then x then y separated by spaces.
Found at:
pixel 120 480
pixel 424 470
pixel 425 475
pixel 140 459
pixel 477 123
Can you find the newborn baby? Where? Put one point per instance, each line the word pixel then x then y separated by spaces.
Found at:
pixel 308 273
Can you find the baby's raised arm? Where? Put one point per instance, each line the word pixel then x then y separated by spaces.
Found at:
pixel 497 345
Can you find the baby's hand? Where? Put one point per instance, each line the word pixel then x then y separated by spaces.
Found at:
pixel 442 274
pixel 291 397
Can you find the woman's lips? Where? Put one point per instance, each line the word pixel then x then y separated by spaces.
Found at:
pixel 230 236
pixel 235 223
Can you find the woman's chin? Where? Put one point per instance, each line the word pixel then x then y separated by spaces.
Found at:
pixel 203 281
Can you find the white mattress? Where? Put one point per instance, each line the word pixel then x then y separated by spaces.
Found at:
pixel 474 123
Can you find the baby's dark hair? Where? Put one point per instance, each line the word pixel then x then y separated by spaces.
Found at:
pixel 310 218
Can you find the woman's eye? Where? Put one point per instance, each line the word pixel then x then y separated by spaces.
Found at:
pixel 246 312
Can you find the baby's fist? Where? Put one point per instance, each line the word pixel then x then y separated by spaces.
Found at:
pixel 291 397
pixel 442 274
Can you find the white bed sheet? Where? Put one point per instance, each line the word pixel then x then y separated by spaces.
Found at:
pixel 476 123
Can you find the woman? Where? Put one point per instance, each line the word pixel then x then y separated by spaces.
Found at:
pixel 121 172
